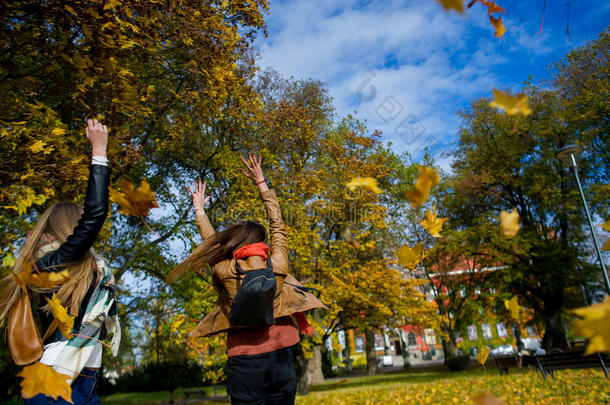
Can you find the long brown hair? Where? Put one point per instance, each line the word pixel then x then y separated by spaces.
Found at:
pixel 57 222
pixel 221 246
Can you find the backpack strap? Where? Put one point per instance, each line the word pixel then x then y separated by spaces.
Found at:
pixel 303 288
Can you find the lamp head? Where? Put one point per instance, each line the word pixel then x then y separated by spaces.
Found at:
pixel 569 154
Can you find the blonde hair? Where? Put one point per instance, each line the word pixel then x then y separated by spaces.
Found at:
pixel 58 221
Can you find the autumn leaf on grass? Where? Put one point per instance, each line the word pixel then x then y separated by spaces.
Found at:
pixel 409 257
pixel 482 355
pixel 428 178
pixel 595 326
pixel 509 223
pixel 487 399
pixel 513 307
pixel 65 322
pixel 39 378
pixel 367 183
pixel 453 5
pixel 433 224
pixel 134 201
pixel 498 25
pixel 511 105
pixel 349 238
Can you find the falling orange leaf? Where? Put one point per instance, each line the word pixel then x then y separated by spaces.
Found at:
pixel 487 399
pixel 492 7
pixel 513 307
pixel 367 183
pixel 512 105
pixel 595 326
pixel 483 354
pixel 428 178
pixel 409 257
pixel 498 25
pixel 509 223
pixel 65 322
pixel 433 224
pixel 44 279
pixel 347 235
pixel 39 378
pixel 457 5
pixel 134 201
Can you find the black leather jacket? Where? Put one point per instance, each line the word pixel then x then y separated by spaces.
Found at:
pixel 79 243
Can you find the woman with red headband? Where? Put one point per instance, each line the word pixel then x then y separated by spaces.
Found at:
pixel 257 298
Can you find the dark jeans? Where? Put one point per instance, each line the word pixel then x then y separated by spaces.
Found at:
pixel 262 379
pixel 84 392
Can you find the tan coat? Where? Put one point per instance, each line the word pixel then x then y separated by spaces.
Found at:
pixel 291 299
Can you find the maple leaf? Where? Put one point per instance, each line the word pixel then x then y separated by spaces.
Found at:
pixel 513 306
pixel 46 279
pixel 457 5
pixel 433 224
pixel 134 201
pixel 409 257
pixel 367 183
pixel 595 326
pixel 498 25
pixel 65 322
pixel 428 178
pixel 39 378
pixel 347 235
pixel 509 223
pixel 487 399
pixel 512 105
pixel 482 355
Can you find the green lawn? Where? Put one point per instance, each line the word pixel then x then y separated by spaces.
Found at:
pixel 437 387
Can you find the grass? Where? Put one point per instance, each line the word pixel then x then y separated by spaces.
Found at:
pixel 435 387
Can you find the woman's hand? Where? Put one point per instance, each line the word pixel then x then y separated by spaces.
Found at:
pixel 253 165
pixel 254 171
pixel 97 134
pixel 199 197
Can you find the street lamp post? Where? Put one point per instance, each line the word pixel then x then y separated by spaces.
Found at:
pixel 568 156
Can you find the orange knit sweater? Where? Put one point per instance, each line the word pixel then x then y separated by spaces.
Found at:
pixel 263 340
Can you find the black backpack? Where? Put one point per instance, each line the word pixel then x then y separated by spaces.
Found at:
pixel 253 304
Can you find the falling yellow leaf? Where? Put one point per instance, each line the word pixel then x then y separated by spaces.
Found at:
pixel 509 223
pixel 606 226
pixel 44 279
pixel 428 178
pixel 367 183
pixel 498 25
pixel 433 224
pixel 453 5
pixel 487 399
pixel 510 104
pixel 347 235
pixel 65 322
pixel 39 378
pixel 38 146
pixel 134 201
pixel 513 307
pixel 482 355
pixel 410 257
pixel 492 7
pixel 606 245
pixel 8 260
pixel 595 326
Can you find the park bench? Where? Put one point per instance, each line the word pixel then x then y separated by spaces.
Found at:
pixel 548 363
pixel 194 391
pixel 513 360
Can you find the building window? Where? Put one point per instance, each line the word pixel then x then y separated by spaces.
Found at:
pixel 411 340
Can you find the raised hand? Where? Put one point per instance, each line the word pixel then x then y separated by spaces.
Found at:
pixel 97 134
pixel 199 197
pixel 253 169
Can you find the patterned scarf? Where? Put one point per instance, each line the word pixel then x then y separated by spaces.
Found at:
pixel 101 310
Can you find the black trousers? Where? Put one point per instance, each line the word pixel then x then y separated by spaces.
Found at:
pixel 262 379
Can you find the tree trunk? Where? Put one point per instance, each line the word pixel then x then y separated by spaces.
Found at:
pixel 554 334
pixel 309 370
pixel 451 345
pixel 371 355
pixel 404 348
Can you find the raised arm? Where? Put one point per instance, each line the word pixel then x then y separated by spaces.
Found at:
pixel 277 229
pixel 199 199
pixel 96 205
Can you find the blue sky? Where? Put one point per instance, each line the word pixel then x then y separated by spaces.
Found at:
pixel 407 67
